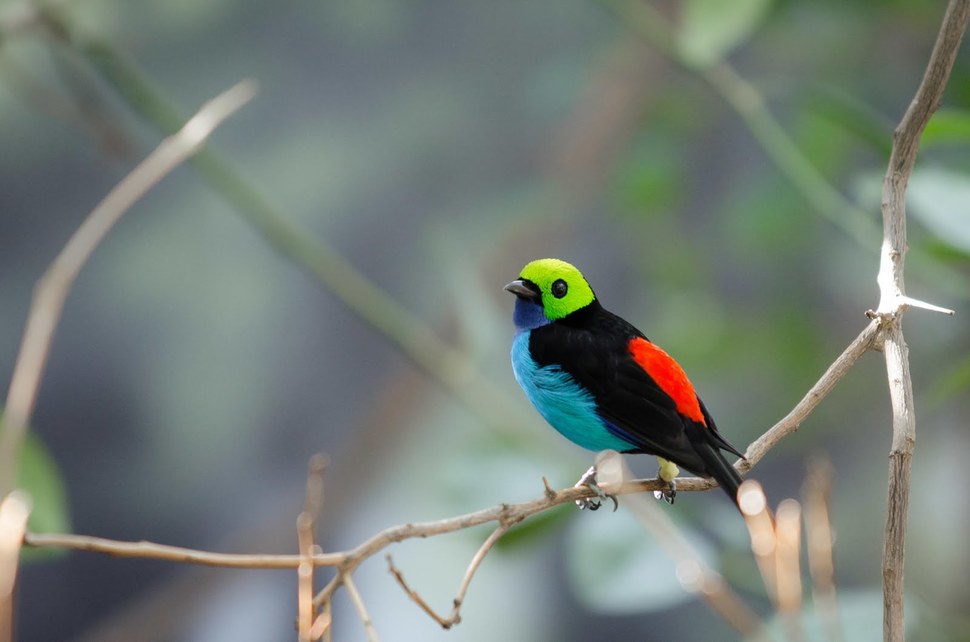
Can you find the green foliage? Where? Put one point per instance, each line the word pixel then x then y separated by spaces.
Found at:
pixel 710 29
pixel 41 478
pixel 947 127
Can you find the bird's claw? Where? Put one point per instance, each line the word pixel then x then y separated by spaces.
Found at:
pixel 593 503
pixel 668 494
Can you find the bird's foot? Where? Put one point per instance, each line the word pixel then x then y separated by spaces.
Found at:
pixel 593 503
pixel 668 494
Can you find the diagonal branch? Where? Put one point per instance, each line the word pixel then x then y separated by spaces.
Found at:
pixel 509 512
pixel 52 289
pixel 455 616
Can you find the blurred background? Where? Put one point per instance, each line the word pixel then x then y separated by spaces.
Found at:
pixel 433 148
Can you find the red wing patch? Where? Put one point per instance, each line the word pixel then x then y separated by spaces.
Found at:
pixel 669 376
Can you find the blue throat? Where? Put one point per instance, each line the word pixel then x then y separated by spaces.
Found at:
pixel 528 315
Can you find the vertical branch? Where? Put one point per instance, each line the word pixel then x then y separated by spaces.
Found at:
pixel 893 302
pixel 900 467
pixel 789 578
pixel 819 540
pixel 14 511
pixel 906 138
pixel 309 627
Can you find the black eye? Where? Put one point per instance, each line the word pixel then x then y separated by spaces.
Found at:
pixel 559 289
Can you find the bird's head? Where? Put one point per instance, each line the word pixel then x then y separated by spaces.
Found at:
pixel 548 290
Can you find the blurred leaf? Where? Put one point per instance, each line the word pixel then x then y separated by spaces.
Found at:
pixel 615 567
pixel 709 29
pixel 41 478
pixel 940 200
pixel 854 118
pixel 649 179
pixel 956 380
pixel 946 127
pixel 944 252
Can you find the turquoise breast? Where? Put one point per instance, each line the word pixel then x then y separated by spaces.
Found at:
pixel 567 407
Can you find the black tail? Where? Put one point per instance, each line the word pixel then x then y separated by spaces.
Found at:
pixel 718 467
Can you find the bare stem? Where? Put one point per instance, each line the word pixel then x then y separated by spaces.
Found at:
pixel 550 498
pixel 358 602
pixel 14 510
pixel 455 616
pixel 306 617
pixel 893 302
pixel 52 289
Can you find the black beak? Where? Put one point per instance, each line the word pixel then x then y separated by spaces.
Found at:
pixel 524 289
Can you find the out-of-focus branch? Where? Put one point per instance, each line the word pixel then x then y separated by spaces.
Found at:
pixel 647 21
pixel 52 289
pixel 819 540
pixel 893 302
pixel 504 513
pixel 448 366
pixel 694 574
pixel 310 627
pixel 14 510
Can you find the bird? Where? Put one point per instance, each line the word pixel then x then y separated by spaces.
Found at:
pixel 602 384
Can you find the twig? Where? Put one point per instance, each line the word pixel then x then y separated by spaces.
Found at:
pixel 14 511
pixel 455 616
pixel 304 528
pixel 761 532
pixel 893 301
pixel 414 595
pixel 550 498
pixel 358 602
pixel 790 422
pixel 52 289
pixel 445 364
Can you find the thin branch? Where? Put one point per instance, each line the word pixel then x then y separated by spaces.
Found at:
pixel 466 581
pixel 358 602
pixel 550 498
pixel 304 528
pixel 790 422
pixel 52 289
pixel 761 532
pixel 150 550
pixel 455 616
pixel 414 595
pixel 893 302
pixel 445 364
